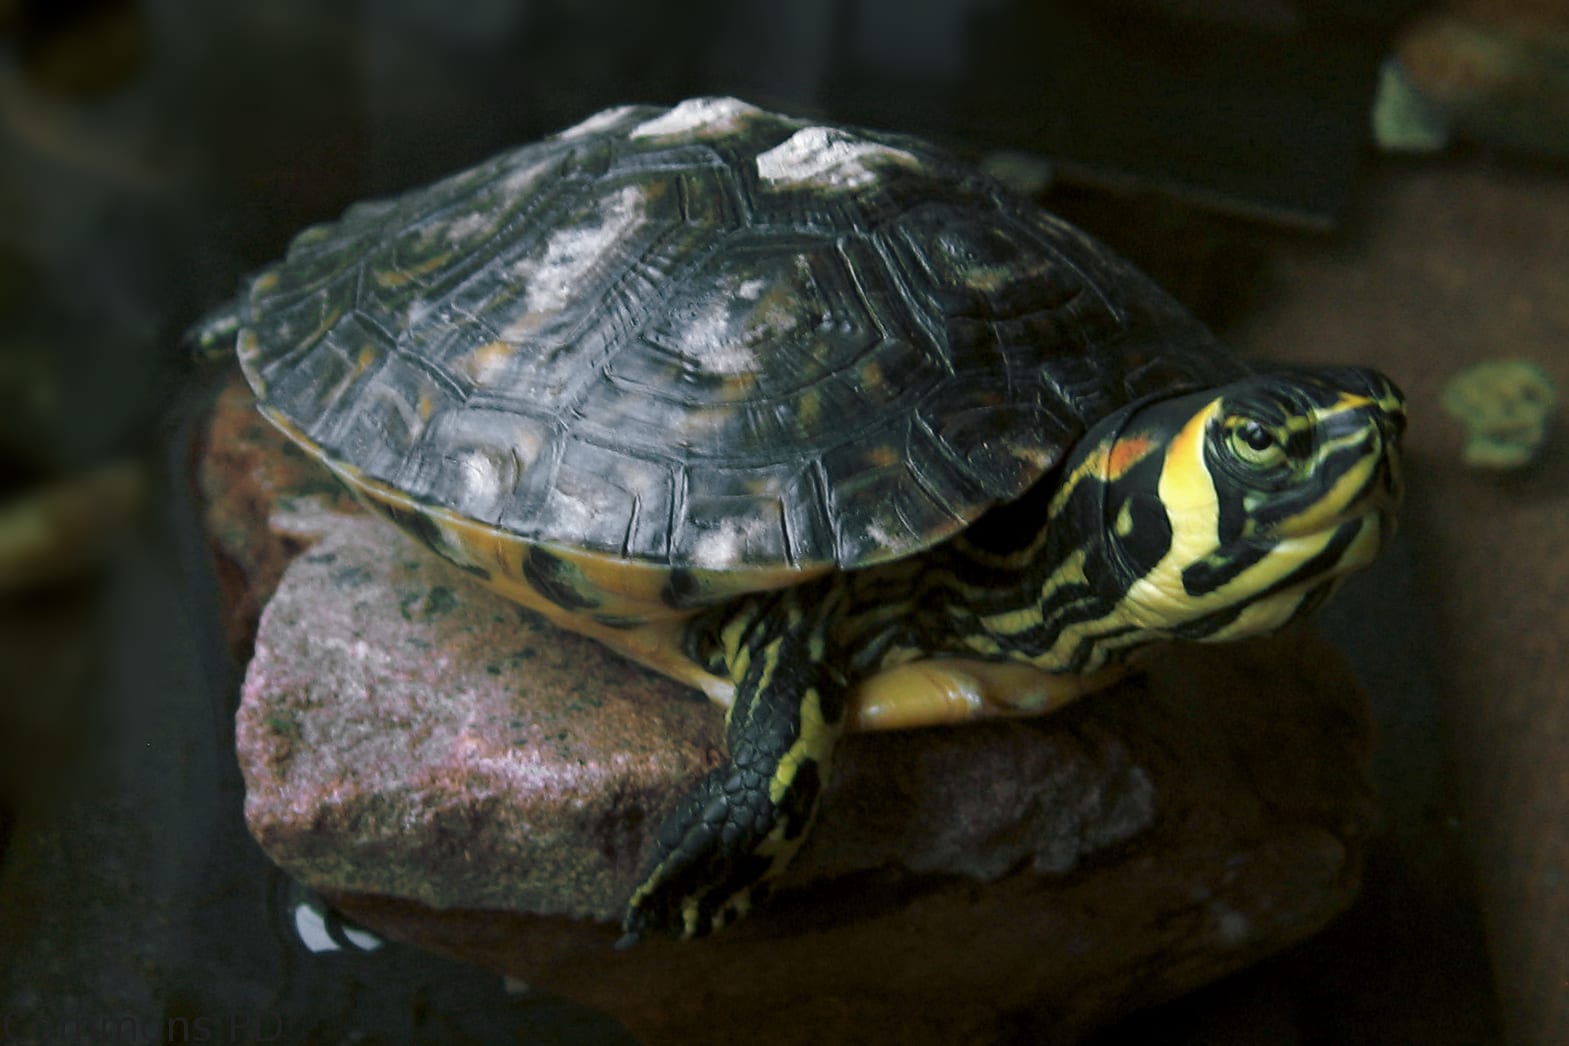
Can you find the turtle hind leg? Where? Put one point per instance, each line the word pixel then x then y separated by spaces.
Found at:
pixel 743 822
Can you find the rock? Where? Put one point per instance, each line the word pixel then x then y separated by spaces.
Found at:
pixel 1404 120
pixel 1490 75
pixel 1505 407
pixel 244 471
pixel 454 773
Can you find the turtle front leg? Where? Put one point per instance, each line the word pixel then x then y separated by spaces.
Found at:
pixel 746 819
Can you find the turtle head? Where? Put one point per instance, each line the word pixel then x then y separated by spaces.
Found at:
pixel 1231 512
pixel 1208 516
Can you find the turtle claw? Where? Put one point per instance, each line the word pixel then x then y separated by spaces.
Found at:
pixel 743 822
pixel 713 853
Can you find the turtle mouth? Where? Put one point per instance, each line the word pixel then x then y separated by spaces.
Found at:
pixel 1331 551
pixel 1349 542
pixel 1375 528
pixel 1381 505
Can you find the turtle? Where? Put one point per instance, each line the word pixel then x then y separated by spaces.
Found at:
pixel 819 420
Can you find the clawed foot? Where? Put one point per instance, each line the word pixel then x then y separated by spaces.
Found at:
pixel 717 851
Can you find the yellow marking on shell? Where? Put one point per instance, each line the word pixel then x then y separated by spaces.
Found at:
pixel 811 409
pixel 481 364
pixel 326 324
pixel 739 385
pixel 392 279
pixel 287 427
pixel 246 347
pixel 935 691
pixel 424 406
pixel 883 456
pixel 367 356
pixel 765 484
pixel 622 587
pixel 624 582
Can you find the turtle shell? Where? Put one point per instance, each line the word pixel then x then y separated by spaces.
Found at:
pixel 708 337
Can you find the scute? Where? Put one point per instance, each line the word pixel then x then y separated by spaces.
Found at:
pixel 708 339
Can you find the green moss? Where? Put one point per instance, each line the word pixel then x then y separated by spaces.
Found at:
pixel 441 600
pixel 1506 407
pixel 285 726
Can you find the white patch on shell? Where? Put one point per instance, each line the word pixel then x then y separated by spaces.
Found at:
pixel 600 121
pixel 827 158
pixel 460 229
pixel 699 428
pixel 697 117
pixel 522 181
pixel 730 324
pixel 723 547
pixel 415 314
pixel 484 366
pixel 712 338
pixel 881 537
pixel 483 477
pixel 482 217
pixel 570 255
pixel 574 513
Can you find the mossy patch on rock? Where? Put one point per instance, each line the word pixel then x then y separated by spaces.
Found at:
pixel 1506 407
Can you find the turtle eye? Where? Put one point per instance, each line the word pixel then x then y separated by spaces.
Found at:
pixel 1256 445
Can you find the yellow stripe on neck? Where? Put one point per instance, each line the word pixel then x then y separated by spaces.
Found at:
pixel 1187 490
